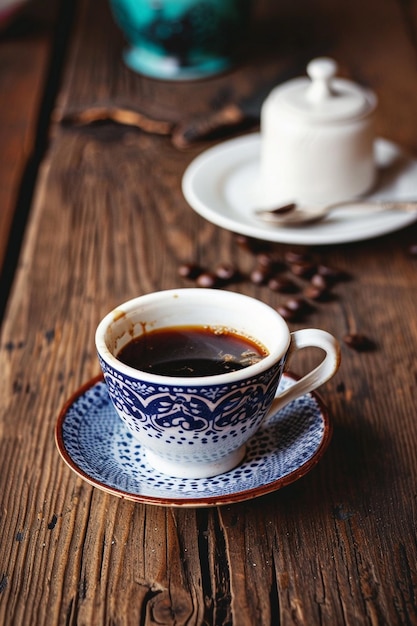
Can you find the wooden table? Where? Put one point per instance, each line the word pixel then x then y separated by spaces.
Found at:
pixel 106 221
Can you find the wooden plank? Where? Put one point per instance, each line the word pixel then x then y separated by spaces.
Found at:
pixel 25 51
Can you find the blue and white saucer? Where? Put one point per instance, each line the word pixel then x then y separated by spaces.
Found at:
pixel 96 445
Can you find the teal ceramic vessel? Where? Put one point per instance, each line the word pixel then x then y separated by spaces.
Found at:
pixel 182 39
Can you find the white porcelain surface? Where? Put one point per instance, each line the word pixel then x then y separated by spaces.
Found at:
pixel 223 185
pixel 317 138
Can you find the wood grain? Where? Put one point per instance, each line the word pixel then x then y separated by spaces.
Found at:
pixel 25 62
pixel 108 222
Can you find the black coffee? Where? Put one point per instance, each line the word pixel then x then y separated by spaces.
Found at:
pixel 191 351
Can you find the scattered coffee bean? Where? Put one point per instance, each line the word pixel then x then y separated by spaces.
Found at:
pixel 328 272
pixel 207 279
pixel 242 240
pixel 226 272
pixel 282 284
pixel 298 306
pixel 247 243
pixel 270 261
pixel 320 281
pixel 413 249
pixel 189 270
pixel 292 256
pixel 331 273
pixel 303 269
pixel 317 294
pixel 264 259
pixel 286 313
pixel 260 275
pixel 359 342
pixel 301 273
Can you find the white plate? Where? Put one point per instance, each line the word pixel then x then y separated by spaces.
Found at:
pixel 222 185
pixel 97 446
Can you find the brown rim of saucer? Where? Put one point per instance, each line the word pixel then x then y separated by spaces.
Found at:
pixel 209 501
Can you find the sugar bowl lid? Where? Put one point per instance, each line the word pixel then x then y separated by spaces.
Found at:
pixel 322 96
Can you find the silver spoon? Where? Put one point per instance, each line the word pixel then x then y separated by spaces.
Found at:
pixel 292 214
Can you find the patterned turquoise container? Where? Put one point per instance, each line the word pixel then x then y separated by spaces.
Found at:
pixel 182 39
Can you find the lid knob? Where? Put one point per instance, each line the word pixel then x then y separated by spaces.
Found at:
pixel 321 71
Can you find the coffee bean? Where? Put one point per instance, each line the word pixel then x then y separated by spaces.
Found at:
pixel 331 274
pixel 292 256
pixel 250 245
pixel 286 313
pixel 297 305
pixel 318 280
pixel 243 241
pixel 264 259
pixel 316 293
pixel 413 249
pixel 259 275
pixel 189 270
pixel 303 270
pixel 282 284
pixel 226 272
pixel 207 279
pixel 359 342
pixel 271 261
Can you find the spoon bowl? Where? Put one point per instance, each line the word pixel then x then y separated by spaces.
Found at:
pixel 293 214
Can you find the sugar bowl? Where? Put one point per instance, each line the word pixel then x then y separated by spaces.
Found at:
pixel 317 138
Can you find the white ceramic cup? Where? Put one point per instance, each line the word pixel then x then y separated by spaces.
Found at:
pixel 198 427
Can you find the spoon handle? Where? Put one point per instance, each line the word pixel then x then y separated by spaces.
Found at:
pixel 407 206
pixel 292 215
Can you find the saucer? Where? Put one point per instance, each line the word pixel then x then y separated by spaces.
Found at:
pixel 96 445
pixel 222 185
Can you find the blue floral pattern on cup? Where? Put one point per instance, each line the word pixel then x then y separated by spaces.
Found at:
pixel 166 413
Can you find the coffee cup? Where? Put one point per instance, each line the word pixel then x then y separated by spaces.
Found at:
pixel 192 423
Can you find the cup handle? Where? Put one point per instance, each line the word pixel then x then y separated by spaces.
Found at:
pixel 310 337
